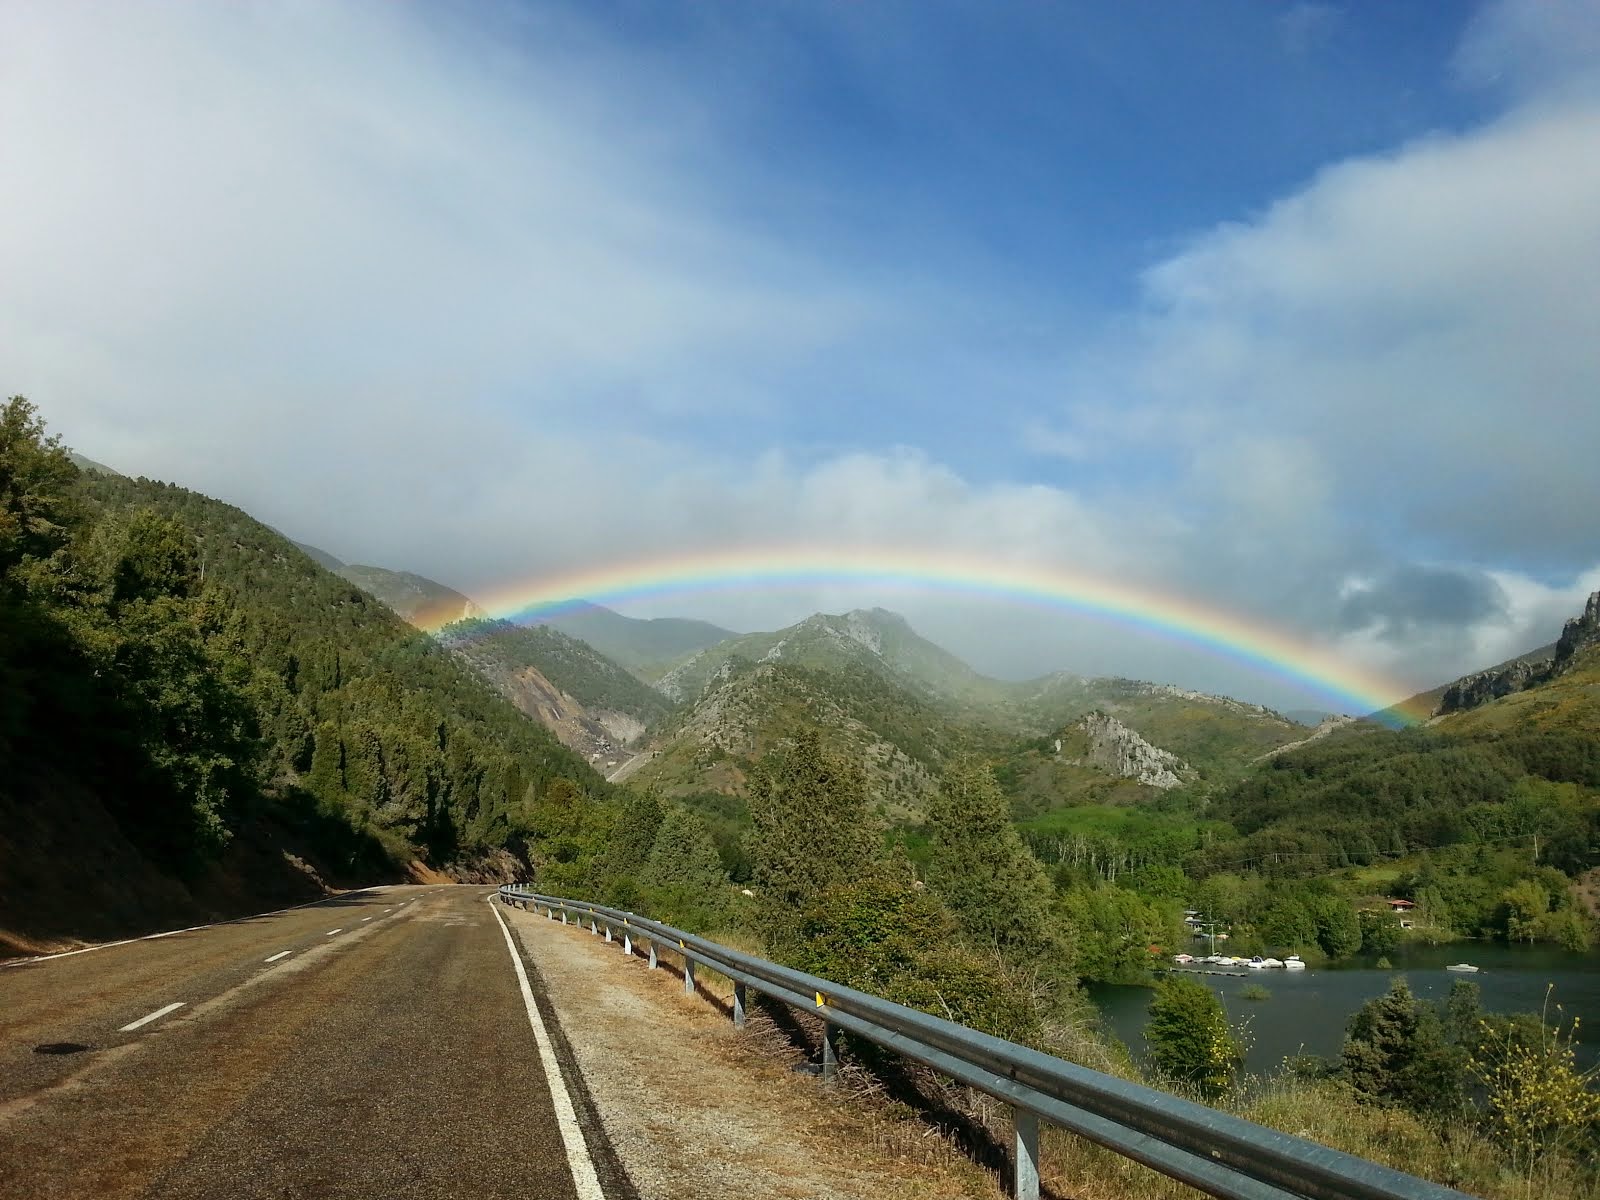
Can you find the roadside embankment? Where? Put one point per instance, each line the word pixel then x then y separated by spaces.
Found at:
pixel 695 1108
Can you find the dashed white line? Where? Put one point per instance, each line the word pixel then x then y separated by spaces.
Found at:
pixel 278 955
pixel 331 932
pixel 584 1179
pixel 366 918
pixel 157 1015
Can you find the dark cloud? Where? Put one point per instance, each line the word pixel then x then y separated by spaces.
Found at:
pixel 1414 598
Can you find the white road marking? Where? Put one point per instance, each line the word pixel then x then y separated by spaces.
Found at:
pixel 278 955
pixel 366 918
pixel 150 937
pixel 331 932
pixel 584 1179
pixel 158 1014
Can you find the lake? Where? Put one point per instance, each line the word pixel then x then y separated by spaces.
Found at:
pixel 1309 1009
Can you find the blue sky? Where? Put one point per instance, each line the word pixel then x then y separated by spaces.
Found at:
pixel 1286 308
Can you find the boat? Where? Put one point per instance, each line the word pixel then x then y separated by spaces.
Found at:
pixel 1293 963
pixel 1465 967
pixel 1272 962
pixel 1256 963
pixel 1183 958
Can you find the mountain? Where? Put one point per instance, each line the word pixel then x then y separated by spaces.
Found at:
pixel 321 557
pixel 904 705
pixel 593 705
pixel 901 739
pixel 640 645
pixel 872 639
pixel 1511 776
pixel 1217 736
pixel 421 601
pixel 89 466
pixel 590 702
pixel 197 719
pixel 1470 690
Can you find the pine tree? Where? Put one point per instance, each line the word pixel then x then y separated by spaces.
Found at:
pixel 684 855
pixel 1395 1052
pixel 981 868
pixel 810 830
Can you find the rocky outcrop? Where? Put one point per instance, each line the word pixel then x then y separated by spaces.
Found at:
pixel 1485 686
pixel 1579 634
pixel 1118 750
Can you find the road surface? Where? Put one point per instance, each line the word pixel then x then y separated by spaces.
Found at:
pixel 389 1043
pixel 629 767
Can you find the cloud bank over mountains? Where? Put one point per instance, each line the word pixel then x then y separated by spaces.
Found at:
pixel 484 304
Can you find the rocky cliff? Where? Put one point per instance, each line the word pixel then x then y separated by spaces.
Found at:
pixel 1578 634
pixel 1118 750
pixel 1470 692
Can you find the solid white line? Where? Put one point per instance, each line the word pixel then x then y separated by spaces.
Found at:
pixel 331 932
pixel 160 1012
pixel 583 1176
pixel 278 955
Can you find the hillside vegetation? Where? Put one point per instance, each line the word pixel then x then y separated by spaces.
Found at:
pixel 176 663
pixel 647 646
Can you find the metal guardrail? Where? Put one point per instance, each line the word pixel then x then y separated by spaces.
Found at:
pixel 1220 1154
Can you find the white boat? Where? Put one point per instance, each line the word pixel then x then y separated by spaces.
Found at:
pixel 1293 963
pixel 1256 963
pixel 1467 967
pixel 1183 958
pixel 1272 962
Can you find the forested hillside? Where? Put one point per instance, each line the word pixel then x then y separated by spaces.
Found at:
pixel 173 663
pixel 573 666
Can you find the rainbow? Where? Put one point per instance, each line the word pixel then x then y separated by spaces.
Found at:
pixel 1271 652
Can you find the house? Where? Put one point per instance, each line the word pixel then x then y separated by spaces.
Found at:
pixel 1401 905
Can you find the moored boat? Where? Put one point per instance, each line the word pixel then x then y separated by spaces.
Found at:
pixel 1256 963
pixel 1293 963
pixel 1465 967
pixel 1272 962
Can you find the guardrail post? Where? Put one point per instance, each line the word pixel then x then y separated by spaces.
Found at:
pixel 608 931
pixel 1026 1177
pixel 594 926
pixel 688 976
pixel 564 916
pixel 738 1005
pixel 652 954
pixel 830 1050
pixel 627 943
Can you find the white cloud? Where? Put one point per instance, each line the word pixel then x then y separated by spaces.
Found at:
pixel 469 310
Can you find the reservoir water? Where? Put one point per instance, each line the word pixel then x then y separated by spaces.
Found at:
pixel 1309 1009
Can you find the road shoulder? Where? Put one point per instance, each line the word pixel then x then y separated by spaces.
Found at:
pixel 693 1108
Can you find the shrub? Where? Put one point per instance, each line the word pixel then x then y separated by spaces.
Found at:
pixel 1189 1036
pixel 1538 1101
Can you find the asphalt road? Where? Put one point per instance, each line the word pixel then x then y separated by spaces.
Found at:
pixel 381 1044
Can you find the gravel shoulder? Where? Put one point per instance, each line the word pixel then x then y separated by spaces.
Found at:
pixel 695 1109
